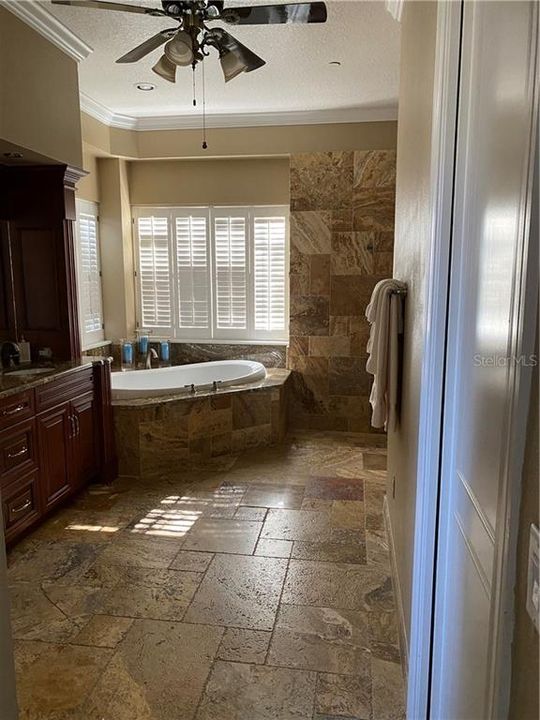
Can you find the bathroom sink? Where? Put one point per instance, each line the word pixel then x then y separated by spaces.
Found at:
pixel 31 371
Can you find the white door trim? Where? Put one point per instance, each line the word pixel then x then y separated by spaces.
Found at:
pixel 445 98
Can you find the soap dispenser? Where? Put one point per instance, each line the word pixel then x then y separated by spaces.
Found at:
pixel 24 348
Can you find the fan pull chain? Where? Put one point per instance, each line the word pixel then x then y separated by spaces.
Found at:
pixel 204 143
pixel 194 93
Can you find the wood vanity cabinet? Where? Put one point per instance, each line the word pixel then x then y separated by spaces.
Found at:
pixel 38 298
pixel 52 443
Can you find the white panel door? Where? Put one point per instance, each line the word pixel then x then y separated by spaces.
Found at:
pixel 492 169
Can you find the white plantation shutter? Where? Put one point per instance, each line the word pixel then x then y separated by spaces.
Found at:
pixel 230 271
pixel 269 237
pixel 213 273
pixel 193 278
pixel 155 281
pixel 89 275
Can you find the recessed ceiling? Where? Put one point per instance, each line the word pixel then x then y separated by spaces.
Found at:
pixel 298 75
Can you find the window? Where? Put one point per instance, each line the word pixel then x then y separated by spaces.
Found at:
pixel 89 275
pixel 217 273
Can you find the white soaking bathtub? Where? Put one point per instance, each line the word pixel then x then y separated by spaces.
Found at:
pixel 182 379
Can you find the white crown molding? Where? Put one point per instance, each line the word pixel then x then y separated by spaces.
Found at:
pixel 234 120
pixel 35 14
pixel 395 8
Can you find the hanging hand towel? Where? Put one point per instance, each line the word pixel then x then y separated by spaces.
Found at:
pixel 384 313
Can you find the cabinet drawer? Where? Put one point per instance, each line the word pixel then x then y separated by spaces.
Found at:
pixel 15 408
pixel 17 450
pixel 20 504
pixel 64 389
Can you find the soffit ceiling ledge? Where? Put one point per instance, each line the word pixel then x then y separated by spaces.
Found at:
pixel 235 120
pixel 36 16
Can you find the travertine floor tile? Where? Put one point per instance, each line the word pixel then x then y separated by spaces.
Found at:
pixel 340 552
pixel 35 561
pixel 335 488
pixel 388 694
pixel 35 617
pixel 240 591
pixel 250 513
pixel 54 680
pixel 353 587
pixel 146 551
pixel 137 597
pixel 306 525
pixel 347 514
pixel 345 695
pixel 320 639
pixel 238 691
pixel 103 631
pixel 157 673
pixel 274 496
pixel 274 548
pixel 226 536
pixel 248 646
pixel 191 560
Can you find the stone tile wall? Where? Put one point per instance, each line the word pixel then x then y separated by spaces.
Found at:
pixel 342 237
pixel 159 438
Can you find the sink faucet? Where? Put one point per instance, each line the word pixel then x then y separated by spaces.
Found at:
pixel 149 355
pixel 10 354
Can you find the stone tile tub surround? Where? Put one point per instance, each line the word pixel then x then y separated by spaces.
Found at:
pixel 154 436
pixel 271 356
pixel 111 611
pixel 342 237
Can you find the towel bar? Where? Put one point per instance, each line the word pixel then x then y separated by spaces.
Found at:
pixel 398 292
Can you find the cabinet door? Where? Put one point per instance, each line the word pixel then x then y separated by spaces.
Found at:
pixel 85 441
pixel 55 429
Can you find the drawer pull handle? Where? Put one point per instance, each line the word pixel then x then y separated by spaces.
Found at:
pixel 20 452
pixel 13 411
pixel 22 507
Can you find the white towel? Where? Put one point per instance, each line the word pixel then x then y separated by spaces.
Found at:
pixel 384 313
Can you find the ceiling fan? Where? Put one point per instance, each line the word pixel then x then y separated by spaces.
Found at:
pixel 189 42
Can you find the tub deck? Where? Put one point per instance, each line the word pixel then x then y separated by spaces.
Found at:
pixel 157 435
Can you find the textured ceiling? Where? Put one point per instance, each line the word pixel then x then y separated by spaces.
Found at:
pixel 361 35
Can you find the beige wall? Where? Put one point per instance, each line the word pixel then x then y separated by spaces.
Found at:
pixel 234 181
pixel 88 187
pixel 412 236
pixel 39 93
pixel 239 142
pixel 116 249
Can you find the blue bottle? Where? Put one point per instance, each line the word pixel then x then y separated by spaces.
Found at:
pixel 143 344
pixel 165 350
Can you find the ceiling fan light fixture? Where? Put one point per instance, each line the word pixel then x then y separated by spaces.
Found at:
pixel 179 50
pixel 231 65
pixel 165 69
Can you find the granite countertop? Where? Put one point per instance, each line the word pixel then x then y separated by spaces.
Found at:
pixel 11 382
pixel 275 377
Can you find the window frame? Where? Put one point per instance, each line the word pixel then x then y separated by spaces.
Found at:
pixel 96 337
pixel 213 334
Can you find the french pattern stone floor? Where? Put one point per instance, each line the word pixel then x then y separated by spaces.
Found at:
pixel 255 589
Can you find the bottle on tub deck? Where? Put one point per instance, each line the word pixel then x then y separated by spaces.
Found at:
pixel 127 355
pixel 142 343
pixel 165 351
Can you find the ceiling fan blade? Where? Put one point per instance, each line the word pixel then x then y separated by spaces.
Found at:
pixel 97 5
pixel 165 69
pixel 314 12
pixel 147 46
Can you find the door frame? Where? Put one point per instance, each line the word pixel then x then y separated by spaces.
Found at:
pixel 432 466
